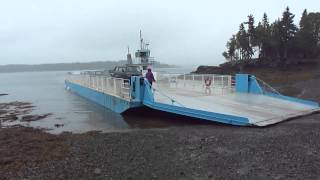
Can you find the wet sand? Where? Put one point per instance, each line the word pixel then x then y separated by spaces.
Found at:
pixel 288 150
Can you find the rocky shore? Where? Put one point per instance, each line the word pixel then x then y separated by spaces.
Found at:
pixel 289 150
pixel 18 111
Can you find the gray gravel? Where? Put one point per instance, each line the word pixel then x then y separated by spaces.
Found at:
pixel 289 150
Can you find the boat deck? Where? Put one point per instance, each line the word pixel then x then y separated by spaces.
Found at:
pixel 211 97
pixel 261 110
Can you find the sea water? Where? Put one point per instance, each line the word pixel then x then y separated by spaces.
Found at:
pixel 46 91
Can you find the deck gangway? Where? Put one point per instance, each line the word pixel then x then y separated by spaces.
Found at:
pixel 217 98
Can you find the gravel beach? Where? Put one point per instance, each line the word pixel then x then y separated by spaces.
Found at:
pixel 288 150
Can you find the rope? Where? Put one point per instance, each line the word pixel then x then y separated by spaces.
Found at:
pixel 172 100
pixel 267 85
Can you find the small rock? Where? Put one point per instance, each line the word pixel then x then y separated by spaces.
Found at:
pixel 6 161
pixel 97 171
pixel 59 125
pixel 210 176
pixel 29 118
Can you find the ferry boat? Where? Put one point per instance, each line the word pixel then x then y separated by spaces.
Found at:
pixel 242 99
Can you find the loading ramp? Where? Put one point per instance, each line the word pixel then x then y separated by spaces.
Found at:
pixel 219 98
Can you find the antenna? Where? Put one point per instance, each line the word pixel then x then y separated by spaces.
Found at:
pixel 141 40
pixel 128 50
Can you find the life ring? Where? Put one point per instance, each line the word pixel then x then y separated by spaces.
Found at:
pixel 207 82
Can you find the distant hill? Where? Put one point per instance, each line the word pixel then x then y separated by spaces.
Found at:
pixel 67 66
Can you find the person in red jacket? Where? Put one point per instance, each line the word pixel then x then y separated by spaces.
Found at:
pixel 150 76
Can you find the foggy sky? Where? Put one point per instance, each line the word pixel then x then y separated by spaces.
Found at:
pixel 179 32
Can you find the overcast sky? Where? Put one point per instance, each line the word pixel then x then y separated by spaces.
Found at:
pixel 179 32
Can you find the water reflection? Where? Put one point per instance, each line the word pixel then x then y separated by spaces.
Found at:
pixel 74 113
pixel 145 117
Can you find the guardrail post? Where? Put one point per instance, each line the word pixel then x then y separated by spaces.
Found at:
pixel 105 84
pixel 114 87
pixel 102 83
pixel 212 82
pixel 176 81
pixel 223 85
pixel 88 81
pixel 105 79
pixel 94 82
pixel 121 88
pixel 108 85
pixel 98 83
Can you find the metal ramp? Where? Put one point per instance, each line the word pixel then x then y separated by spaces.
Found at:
pixel 220 100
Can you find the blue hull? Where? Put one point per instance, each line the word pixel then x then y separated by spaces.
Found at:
pixel 114 103
pixel 141 94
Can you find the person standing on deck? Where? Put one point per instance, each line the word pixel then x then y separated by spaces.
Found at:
pixel 150 77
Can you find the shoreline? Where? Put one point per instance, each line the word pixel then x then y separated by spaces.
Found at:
pixel 286 150
pixel 207 151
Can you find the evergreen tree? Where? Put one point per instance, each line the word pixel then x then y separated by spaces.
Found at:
pixel 287 32
pixel 314 21
pixel 259 38
pixel 246 50
pixel 303 20
pixel 231 45
pixel 263 34
pixel 226 55
pixel 265 21
pixel 304 36
pixel 307 41
pixel 275 40
pixel 251 31
pixel 230 54
pixel 241 40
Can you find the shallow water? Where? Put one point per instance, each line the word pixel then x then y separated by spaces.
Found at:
pixel 46 91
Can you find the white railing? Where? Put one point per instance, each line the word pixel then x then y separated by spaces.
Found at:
pixel 109 85
pixel 210 84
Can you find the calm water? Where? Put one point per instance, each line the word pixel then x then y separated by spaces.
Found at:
pixel 46 91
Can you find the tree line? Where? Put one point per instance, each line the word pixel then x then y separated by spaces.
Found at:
pixel 279 41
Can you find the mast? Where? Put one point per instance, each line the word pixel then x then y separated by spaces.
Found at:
pixel 143 54
pixel 129 58
pixel 141 40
